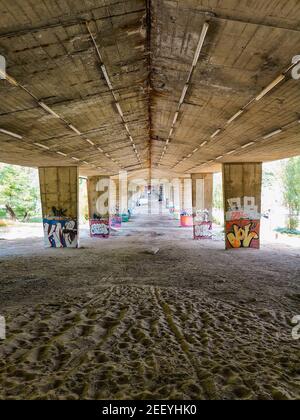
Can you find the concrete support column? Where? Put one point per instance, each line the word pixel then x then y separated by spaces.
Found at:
pixel 123 199
pixel 113 201
pixel 186 219
pixel 60 196
pixel 202 202
pixel 150 195
pixel 177 204
pixel 167 187
pixel 131 203
pixel 118 193
pixel 162 193
pixel 186 195
pixel 242 204
pixel 133 194
pixel 172 198
pixel 181 194
pixel 98 197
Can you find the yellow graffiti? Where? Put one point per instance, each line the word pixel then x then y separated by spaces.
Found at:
pixel 242 237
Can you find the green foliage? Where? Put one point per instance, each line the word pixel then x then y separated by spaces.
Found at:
pixel 268 179
pixel 35 220
pixel 291 183
pixel 19 194
pixel 218 193
pixel 217 221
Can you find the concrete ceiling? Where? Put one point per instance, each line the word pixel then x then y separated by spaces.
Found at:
pixel 112 74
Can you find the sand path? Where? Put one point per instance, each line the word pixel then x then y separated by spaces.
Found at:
pixel 113 320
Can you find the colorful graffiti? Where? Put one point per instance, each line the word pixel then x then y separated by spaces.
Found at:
pixel 242 223
pixel 61 233
pixel 202 225
pixel 99 228
pixel 202 230
pixel 236 211
pixel 242 234
pixel 116 222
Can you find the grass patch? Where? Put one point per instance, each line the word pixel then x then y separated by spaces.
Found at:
pixel 35 220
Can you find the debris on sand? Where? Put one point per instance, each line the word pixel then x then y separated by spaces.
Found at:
pixel 153 251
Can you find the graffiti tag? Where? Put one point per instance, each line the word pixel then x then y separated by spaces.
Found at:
pixel 203 230
pixel 61 233
pixel 242 235
pixel 99 228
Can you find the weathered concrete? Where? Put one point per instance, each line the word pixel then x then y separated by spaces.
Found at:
pixel 60 194
pixel 99 84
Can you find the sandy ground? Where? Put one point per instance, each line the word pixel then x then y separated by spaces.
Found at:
pixel 117 319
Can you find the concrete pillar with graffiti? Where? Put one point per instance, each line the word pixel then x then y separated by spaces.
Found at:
pixel 202 200
pixel 98 197
pixel 242 204
pixel 59 188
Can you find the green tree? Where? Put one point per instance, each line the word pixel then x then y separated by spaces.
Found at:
pixel 291 184
pixel 218 192
pixel 18 192
pixel 268 179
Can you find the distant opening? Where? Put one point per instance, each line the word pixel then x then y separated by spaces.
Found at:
pixel 20 203
pixel 281 202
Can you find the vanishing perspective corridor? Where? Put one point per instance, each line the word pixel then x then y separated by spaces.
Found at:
pixel 149 201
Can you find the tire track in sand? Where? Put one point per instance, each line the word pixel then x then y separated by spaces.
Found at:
pixel 180 338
